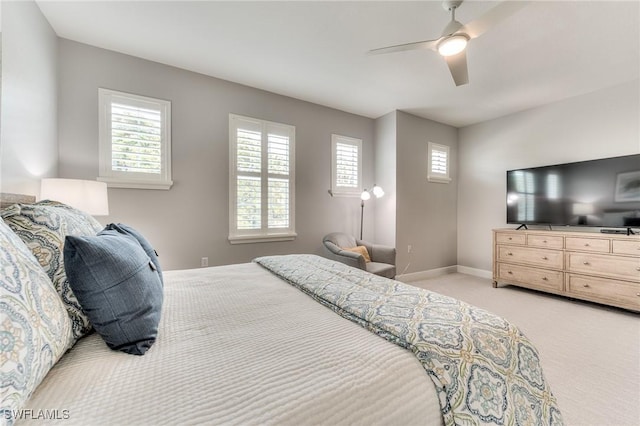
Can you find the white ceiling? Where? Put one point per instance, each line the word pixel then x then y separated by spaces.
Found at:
pixel 315 51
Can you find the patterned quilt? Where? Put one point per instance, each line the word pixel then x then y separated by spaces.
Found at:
pixel 484 369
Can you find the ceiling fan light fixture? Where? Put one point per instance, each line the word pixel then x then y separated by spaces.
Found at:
pixel 453 45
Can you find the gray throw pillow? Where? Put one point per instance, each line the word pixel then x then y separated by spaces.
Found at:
pixel 118 287
pixel 151 252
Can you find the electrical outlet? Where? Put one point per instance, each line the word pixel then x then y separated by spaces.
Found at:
pixel 409 248
pixel 204 262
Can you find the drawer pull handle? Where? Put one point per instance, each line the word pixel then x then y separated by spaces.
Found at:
pixel 586 286
pixel 638 268
pixel 545 258
pixel 545 279
pixel 586 244
pixel 544 241
pixel 510 254
pixel 638 294
pixel 510 238
pixel 585 263
pixel 509 272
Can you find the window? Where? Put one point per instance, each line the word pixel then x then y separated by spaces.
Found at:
pixel 135 141
pixel 438 163
pixel 346 165
pixel 262 180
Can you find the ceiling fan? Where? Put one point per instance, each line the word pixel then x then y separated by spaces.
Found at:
pixel 452 43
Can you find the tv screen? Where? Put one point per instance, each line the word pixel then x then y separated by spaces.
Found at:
pixel 603 193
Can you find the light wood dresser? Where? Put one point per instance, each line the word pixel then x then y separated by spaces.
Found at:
pixel 603 268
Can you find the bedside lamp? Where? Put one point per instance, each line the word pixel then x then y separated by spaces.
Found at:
pixel 89 196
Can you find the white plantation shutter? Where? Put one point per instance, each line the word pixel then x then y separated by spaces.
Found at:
pixel 438 163
pixel 261 185
pixel 346 165
pixel 249 202
pixel 278 183
pixel 278 206
pixel 248 182
pixel 278 152
pixel 249 150
pixel 135 141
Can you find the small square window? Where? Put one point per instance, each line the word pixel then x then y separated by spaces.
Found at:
pixel 346 166
pixel 134 141
pixel 438 161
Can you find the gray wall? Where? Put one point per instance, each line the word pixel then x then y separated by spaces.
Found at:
pixel 596 125
pixel 29 149
pixel 425 211
pixel 191 220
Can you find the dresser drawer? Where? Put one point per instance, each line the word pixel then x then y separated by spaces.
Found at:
pixel 531 256
pixel 596 245
pixel 626 247
pixel 547 241
pixel 626 268
pixel 622 293
pixel 510 238
pixel 531 277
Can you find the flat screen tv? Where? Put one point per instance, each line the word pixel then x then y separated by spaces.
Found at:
pixel 603 193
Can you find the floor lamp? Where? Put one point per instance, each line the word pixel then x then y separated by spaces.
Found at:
pixel 378 192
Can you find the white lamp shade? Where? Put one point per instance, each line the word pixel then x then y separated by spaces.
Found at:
pixel 377 191
pixel 365 195
pixel 88 196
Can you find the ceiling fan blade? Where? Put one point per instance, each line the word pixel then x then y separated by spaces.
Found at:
pixel 492 17
pixel 458 67
pixel 427 44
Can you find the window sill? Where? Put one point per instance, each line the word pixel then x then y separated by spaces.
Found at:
pixel 345 194
pixel 132 184
pixel 247 239
pixel 438 179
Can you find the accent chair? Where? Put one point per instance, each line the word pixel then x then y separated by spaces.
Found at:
pixel 345 248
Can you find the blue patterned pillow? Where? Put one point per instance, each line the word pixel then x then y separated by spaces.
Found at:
pixel 118 287
pixel 35 329
pixel 43 227
pixel 151 252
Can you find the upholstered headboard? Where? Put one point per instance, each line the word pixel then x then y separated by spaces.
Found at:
pixel 7 199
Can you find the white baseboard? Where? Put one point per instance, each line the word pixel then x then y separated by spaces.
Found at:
pixel 481 273
pixel 423 275
pixel 432 273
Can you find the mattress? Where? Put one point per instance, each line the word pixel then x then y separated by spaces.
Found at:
pixel 237 345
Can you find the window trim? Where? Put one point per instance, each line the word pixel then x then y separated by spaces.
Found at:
pixel 335 190
pixel 263 235
pixel 438 177
pixel 135 180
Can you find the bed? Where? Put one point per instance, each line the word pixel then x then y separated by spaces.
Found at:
pixel 290 340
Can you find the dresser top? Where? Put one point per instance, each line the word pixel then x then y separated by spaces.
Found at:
pixel 583 234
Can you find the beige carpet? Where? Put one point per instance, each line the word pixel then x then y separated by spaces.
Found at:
pixel 590 353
